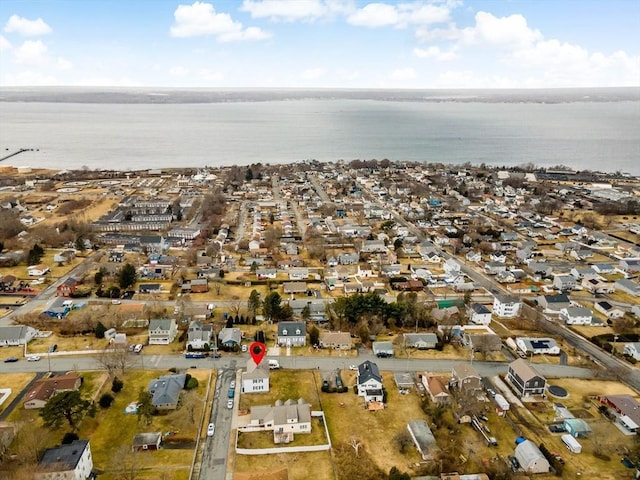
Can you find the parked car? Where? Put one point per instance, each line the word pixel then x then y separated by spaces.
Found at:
pixel 138 348
pixel 491 392
pixel 353 367
pixel 33 358
pixel 557 428
pixel 230 403
pixel 53 348
pixel 515 464
pixel 10 359
pixel 211 430
pixel 232 384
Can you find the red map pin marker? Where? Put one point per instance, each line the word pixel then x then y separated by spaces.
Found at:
pixel 257 351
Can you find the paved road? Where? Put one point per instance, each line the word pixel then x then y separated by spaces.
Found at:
pixel 214 461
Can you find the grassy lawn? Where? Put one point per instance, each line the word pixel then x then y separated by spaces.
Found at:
pixel 112 428
pixel 265 439
pixel 16 382
pixel 300 466
pixel 348 420
pixel 284 385
pixel 20 271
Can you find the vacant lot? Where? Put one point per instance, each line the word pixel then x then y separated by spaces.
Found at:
pixel 300 466
pixel 16 382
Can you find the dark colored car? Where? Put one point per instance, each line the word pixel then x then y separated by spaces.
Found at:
pixel 625 460
pixel 515 464
pixel 558 428
pixel 10 360
pixel 53 348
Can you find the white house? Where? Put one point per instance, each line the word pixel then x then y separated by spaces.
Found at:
pixel 538 346
pixel 576 316
pixel 72 461
pixel 198 335
pixel 451 267
pixel 37 270
pixel 256 378
pixel 369 382
pixel 479 314
pixel 16 335
pixel 285 419
pixel 506 306
pixel 298 273
pixel 608 310
pixel 162 331
pixel 632 349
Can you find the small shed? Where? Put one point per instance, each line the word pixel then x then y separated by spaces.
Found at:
pixel 146 441
pixel 577 427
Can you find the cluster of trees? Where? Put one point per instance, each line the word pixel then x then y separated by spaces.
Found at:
pixel 406 311
pixel 274 310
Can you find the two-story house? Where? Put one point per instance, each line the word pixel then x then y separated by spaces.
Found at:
pixel 525 379
pixel 506 306
pixel 199 335
pixel 255 379
pixel 162 331
pixel 369 382
pixel 292 334
pixel 69 461
pixel 466 379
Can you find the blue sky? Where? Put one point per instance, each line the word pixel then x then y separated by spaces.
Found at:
pixel 321 43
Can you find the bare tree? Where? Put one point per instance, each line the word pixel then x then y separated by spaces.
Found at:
pixel 115 359
pixel 127 463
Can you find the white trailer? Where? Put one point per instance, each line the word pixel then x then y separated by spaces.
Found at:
pixel 571 443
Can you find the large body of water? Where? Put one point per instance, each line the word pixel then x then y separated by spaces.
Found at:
pixel 585 135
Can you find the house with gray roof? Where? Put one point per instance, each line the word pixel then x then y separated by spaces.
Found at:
pixel 285 419
pixel 576 316
pixel 199 335
pixel 554 303
pixel 162 331
pixel 506 306
pixel 146 441
pixel 230 336
pixel 466 378
pixel 255 379
pixel 369 382
pixel 292 334
pixel 382 349
pixel 68 461
pixel 628 286
pixel 525 379
pixel 421 341
pixel 165 391
pixel 16 335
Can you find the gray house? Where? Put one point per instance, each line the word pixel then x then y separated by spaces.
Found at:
pixel 16 335
pixel 165 391
pixel 421 341
pixel 292 334
pixel 162 331
pixel 230 336
pixel 382 349
pixel 198 335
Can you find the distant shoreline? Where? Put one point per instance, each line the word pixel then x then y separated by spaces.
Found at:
pixel 165 95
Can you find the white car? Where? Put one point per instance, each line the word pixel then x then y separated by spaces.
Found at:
pixel 230 403
pixel 33 358
pixel 232 384
pixel 353 367
pixel 137 348
pixel 211 430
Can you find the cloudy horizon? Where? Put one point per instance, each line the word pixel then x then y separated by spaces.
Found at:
pixel 321 44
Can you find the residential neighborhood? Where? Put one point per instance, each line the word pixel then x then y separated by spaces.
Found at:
pixel 443 321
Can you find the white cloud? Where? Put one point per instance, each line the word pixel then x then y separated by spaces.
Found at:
pixel 201 19
pixel 26 27
pixel 313 73
pixel 435 52
pixel 4 44
pixel 63 64
pixel 403 74
pixel 178 71
pixel 287 10
pixel 401 15
pixel 31 52
pixel 375 15
pixel 508 32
